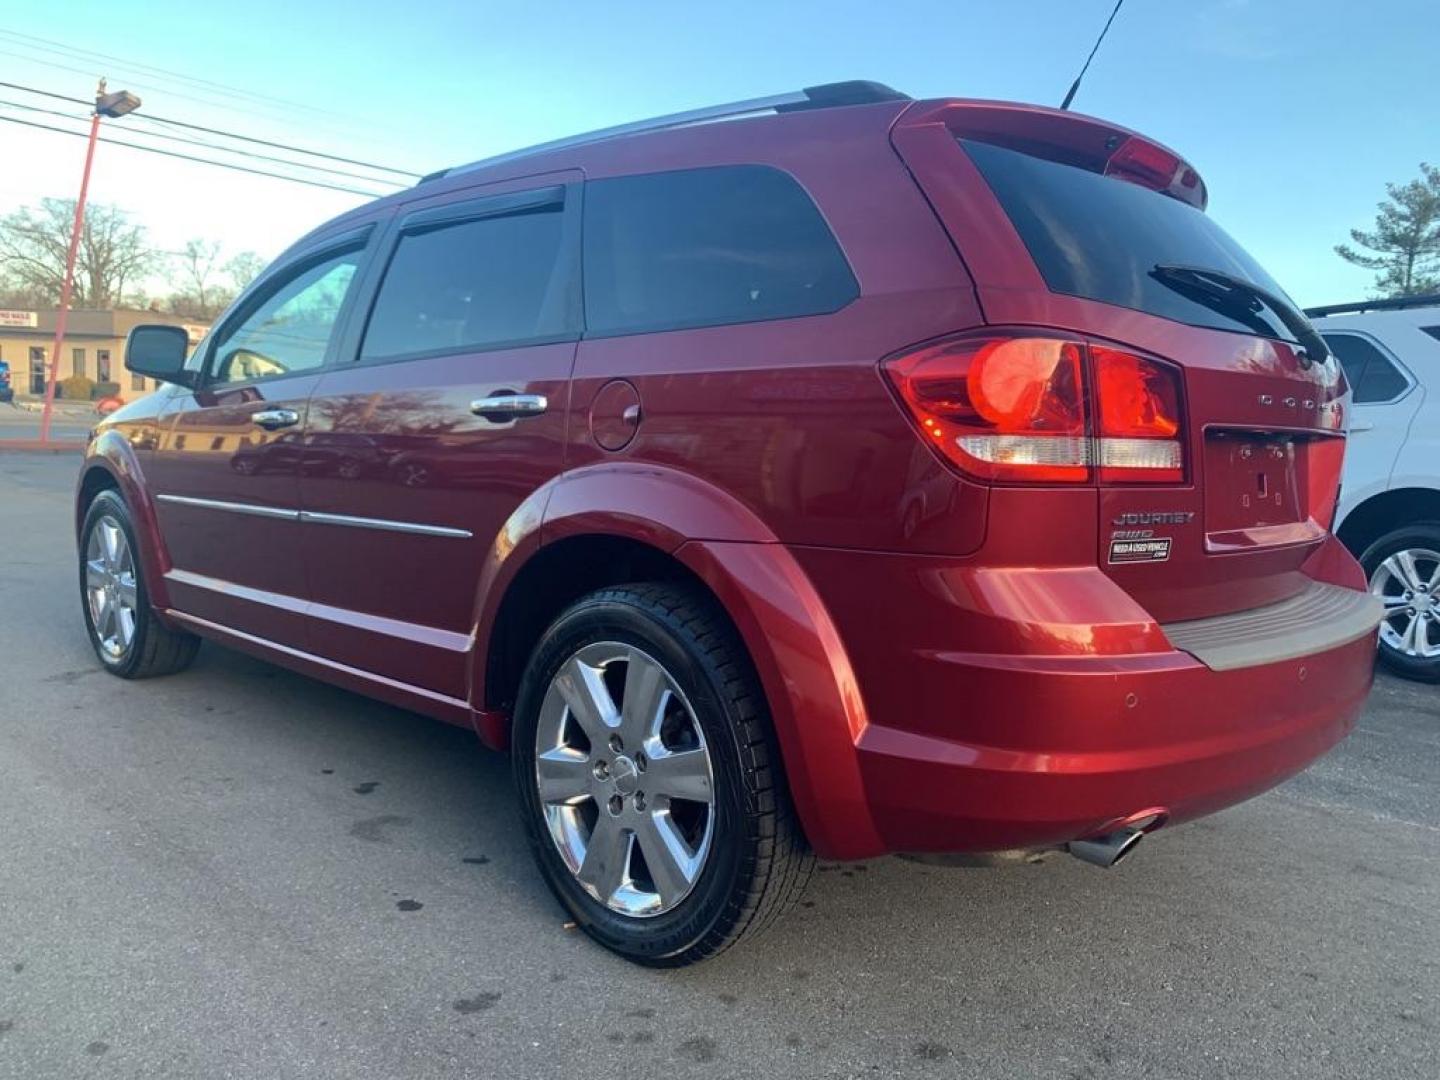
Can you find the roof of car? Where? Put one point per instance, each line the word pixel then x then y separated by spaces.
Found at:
pixel 825 96
pixel 1358 307
pixel 823 112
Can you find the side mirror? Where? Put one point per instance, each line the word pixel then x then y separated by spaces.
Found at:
pixel 160 352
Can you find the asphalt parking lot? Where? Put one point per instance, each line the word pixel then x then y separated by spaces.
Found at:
pixel 238 872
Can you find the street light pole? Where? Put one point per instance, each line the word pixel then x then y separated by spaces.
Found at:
pixel 116 104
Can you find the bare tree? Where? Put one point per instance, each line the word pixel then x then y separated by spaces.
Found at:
pixel 197 266
pixel 244 268
pixel 112 252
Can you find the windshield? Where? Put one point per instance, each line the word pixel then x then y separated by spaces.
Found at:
pixel 1101 238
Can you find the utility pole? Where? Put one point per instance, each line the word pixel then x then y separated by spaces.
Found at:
pixel 112 105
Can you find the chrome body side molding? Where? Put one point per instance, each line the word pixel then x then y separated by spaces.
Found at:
pixel 315 518
pixel 277 512
pixel 384 524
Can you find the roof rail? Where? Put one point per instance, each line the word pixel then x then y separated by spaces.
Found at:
pixel 1398 303
pixel 829 95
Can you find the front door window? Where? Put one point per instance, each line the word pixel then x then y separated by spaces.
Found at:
pixel 289 333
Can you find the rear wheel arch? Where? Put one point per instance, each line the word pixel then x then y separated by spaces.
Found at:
pixel 600 525
pixel 1386 512
pixel 551 579
pixel 632 523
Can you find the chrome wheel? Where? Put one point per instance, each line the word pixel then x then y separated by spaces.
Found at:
pixel 110 587
pixel 626 789
pixel 1408 584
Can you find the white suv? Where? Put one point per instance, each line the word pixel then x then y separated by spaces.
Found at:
pixel 1389 513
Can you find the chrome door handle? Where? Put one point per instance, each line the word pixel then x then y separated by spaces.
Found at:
pixel 1363 425
pixel 274 419
pixel 509 406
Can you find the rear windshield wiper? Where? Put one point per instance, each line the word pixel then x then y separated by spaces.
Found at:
pixel 1244 301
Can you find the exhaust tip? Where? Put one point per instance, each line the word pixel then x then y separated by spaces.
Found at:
pixel 1108 849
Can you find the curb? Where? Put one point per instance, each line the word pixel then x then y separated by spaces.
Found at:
pixel 35 446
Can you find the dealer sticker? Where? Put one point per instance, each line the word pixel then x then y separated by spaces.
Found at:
pixel 1151 549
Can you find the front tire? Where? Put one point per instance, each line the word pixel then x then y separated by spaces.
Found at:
pixel 1403 569
pixel 128 638
pixel 647 686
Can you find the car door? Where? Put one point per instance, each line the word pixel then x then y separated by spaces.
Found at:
pixel 225 474
pixel 447 411
pixel 1384 400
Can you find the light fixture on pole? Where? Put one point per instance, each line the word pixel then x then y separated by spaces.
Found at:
pixel 106 104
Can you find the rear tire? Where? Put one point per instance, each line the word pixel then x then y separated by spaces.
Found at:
pixel 124 631
pixel 1403 569
pixel 740 859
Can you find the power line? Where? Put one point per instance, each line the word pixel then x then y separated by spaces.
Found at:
pixel 223 134
pixel 203 142
pixel 191 157
pixel 258 157
pixel 58 48
pixel 157 88
pixel 39 109
pixel 280 146
pixel 145 86
pixel 49 94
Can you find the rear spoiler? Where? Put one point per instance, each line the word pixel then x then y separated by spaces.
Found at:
pixel 1069 138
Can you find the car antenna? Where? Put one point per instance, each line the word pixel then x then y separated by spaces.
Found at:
pixel 1076 84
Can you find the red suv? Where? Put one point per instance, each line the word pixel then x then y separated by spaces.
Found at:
pixel 860 475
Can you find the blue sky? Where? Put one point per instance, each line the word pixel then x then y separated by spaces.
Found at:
pixel 1296 113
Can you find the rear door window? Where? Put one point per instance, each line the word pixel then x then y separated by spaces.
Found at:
pixel 1100 238
pixel 706 247
pixel 486 281
pixel 1373 376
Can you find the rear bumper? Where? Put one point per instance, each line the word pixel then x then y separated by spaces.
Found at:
pixel 1165 735
pixel 1024 708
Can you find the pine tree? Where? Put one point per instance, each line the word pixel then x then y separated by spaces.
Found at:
pixel 1406 237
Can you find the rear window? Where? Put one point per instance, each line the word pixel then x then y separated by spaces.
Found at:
pixel 705 247
pixel 1368 370
pixel 1099 238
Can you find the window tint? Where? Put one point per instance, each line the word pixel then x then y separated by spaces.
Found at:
pixel 1433 331
pixel 1367 369
pixel 703 247
pixel 473 284
pixel 1099 238
pixel 290 331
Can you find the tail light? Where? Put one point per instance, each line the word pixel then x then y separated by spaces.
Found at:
pixel 1019 408
pixel 1150 165
pixel 1139 418
pixel 1325 461
pixel 1335 397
